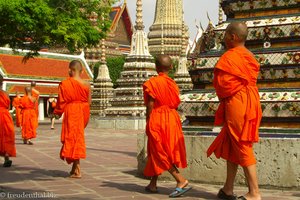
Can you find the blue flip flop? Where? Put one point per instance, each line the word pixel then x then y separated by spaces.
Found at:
pixel 179 191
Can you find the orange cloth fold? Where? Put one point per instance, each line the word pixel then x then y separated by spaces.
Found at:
pixel 73 103
pixel 36 104
pixel 17 105
pixel 7 133
pixel 166 145
pixel 239 111
pixel 29 118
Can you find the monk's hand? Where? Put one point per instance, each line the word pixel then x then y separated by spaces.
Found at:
pixel 56 116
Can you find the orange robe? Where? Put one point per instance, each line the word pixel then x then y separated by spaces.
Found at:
pixel 73 102
pixel 7 133
pixel 29 118
pixel 166 145
pixel 17 105
pixel 36 104
pixel 239 111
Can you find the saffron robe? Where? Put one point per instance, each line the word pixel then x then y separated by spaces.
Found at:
pixel 36 104
pixel 73 102
pixel 17 105
pixel 166 145
pixel 29 118
pixel 7 133
pixel 235 77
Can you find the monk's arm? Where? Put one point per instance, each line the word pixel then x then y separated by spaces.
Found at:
pixel 35 91
pixel 90 95
pixel 60 106
pixel 149 107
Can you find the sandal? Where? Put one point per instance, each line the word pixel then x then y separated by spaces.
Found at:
pixel 223 195
pixel 179 191
pixel 7 163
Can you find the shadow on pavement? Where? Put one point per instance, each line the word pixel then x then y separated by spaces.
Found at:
pixel 16 174
pixel 132 187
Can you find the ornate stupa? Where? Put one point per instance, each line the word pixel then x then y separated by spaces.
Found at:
pixel 182 76
pixel 103 87
pixel 165 36
pixel 139 67
pixel 274 38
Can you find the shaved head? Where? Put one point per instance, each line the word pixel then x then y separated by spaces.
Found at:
pixel 33 84
pixel 75 65
pixel 28 90
pixel 163 63
pixel 238 28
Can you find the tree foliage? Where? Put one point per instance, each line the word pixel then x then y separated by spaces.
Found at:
pixel 35 24
pixel 115 67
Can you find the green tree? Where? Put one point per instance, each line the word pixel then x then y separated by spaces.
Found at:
pixel 35 24
pixel 115 67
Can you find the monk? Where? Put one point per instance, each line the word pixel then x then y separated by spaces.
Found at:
pixel 239 112
pixel 17 105
pixel 36 94
pixel 74 101
pixel 166 147
pixel 7 133
pixel 29 118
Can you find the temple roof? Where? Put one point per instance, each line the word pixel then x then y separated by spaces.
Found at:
pixel 121 12
pixel 45 67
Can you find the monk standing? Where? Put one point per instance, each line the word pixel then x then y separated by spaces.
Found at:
pixel 29 118
pixel 17 105
pixel 36 94
pixel 7 133
pixel 74 101
pixel 239 111
pixel 166 147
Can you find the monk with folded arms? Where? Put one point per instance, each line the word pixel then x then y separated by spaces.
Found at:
pixel 29 117
pixel 7 133
pixel 74 101
pixel 166 147
pixel 17 105
pixel 239 112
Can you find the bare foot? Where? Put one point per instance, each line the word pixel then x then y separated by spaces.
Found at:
pixel 249 196
pixel 182 184
pixel 75 176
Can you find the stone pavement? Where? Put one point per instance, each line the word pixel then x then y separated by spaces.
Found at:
pixel 109 172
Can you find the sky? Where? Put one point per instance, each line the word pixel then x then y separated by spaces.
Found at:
pixel 193 10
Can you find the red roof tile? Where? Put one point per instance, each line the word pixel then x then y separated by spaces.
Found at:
pixel 43 68
pixel 44 90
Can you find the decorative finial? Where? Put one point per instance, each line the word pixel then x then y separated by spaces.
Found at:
pixel 209 21
pixel 139 25
pixel 162 40
pixel 103 52
pixel 220 12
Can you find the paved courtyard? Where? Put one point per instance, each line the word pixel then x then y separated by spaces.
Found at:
pixel 109 172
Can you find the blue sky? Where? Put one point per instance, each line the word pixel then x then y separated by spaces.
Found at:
pixel 193 9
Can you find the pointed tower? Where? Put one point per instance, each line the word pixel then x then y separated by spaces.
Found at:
pixel 139 67
pixel 103 87
pixel 165 36
pixel 182 76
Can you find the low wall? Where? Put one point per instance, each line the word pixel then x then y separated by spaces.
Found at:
pixel 278 161
pixel 120 123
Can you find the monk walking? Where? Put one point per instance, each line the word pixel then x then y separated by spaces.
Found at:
pixel 29 117
pixel 166 147
pixel 239 111
pixel 17 105
pixel 74 101
pixel 7 133
pixel 36 94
